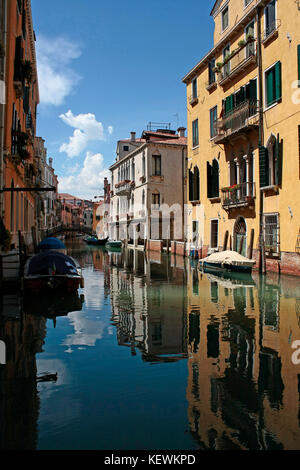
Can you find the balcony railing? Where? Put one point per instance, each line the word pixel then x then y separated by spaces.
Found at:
pixel 124 187
pixel 238 63
pixel 238 195
pixel 241 118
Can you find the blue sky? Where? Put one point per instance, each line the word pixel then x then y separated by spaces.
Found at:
pixel 106 69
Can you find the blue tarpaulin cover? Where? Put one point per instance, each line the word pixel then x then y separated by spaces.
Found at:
pixel 52 243
pixel 51 262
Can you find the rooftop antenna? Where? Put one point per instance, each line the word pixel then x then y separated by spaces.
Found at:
pixel 177 118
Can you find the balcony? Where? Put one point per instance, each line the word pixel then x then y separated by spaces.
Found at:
pixel 124 187
pixel 238 195
pixel 240 120
pixel 238 61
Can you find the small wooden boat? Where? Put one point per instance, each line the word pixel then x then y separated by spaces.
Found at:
pixel 52 270
pixel 96 241
pixel 114 245
pixel 227 261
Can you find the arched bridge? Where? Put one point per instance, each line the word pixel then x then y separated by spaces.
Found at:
pixel 78 228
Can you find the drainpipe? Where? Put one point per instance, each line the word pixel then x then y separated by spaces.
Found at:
pixel 262 264
pixel 3 34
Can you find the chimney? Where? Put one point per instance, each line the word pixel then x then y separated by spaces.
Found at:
pixel 105 182
pixel 50 162
pixel 181 131
pixel 132 138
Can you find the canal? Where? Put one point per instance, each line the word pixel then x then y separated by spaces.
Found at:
pixel 152 354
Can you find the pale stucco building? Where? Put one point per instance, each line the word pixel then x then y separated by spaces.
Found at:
pixel 148 179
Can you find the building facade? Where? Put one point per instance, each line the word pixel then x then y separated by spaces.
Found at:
pixel 149 174
pixel 21 100
pixel 243 160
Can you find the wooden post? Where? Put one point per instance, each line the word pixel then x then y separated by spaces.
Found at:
pixel 225 240
pixel 34 241
pixel 250 250
pixel 1 271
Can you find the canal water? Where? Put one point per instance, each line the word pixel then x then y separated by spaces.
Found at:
pixel 152 354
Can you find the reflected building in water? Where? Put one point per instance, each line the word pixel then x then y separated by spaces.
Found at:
pixel 148 317
pixel 243 388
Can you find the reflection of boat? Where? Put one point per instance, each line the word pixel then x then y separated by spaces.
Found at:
pixel 232 280
pixel 114 245
pixel 50 306
pixel 52 270
pixel 227 261
pixel 96 241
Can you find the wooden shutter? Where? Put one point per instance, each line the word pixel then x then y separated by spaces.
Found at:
pixel 253 90
pixel 215 179
pixel 263 167
pixel 270 87
pixel 191 185
pixel 196 184
pixel 278 81
pixel 209 179
pixel 278 161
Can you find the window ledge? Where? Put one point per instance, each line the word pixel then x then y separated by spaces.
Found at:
pixel 214 199
pixel 272 188
pixel 194 203
pixel 273 105
pixel 272 35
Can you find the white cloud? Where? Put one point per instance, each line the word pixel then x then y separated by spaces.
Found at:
pixel 88 181
pixel 56 79
pixel 87 129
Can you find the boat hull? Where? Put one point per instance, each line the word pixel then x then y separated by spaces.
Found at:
pixel 219 267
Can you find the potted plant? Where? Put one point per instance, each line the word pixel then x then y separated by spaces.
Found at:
pixel 242 43
pixel 249 37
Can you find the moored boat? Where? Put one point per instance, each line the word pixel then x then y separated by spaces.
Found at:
pixel 114 245
pixel 96 241
pixel 227 261
pixel 52 270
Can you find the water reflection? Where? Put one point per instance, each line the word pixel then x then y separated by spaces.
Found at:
pixel 231 336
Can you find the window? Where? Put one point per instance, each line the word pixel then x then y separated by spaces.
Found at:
pixel 213 179
pixel 211 72
pixel 156 165
pixel 194 184
pixel 226 68
pixel 194 89
pixel 225 18
pixel 156 199
pixel 271 233
pixel 195 133
pixel 144 166
pixel 247 2
pixel 273 84
pixel 250 48
pixel 195 234
pixel 270 162
pixel 213 121
pixel 125 148
pixel 270 18
pixel 214 229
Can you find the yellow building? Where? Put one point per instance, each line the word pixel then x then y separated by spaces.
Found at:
pixel 244 135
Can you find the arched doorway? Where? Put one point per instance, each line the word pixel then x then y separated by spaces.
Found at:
pixel 240 236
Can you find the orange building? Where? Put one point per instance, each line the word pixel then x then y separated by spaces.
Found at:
pixel 22 98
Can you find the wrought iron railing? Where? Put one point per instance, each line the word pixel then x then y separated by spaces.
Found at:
pixel 235 119
pixel 238 194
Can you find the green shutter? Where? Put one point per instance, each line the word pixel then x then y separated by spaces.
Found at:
pixel 196 184
pixel 191 186
pixel 209 179
pixel 263 167
pixel 253 90
pixel 278 161
pixel 227 104
pixel 278 81
pixel 270 88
